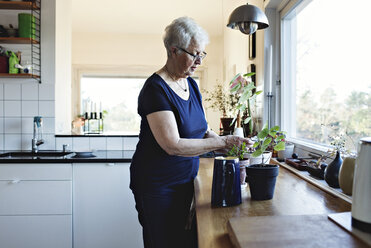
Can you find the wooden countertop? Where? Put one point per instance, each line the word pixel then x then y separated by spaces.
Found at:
pixel 293 196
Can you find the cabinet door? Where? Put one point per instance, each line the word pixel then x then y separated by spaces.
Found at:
pixel 35 197
pixel 104 212
pixel 33 231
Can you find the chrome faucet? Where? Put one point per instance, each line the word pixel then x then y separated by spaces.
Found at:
pixel 37 134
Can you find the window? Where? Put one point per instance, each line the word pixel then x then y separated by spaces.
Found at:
pixel 326 82
pixel 117 97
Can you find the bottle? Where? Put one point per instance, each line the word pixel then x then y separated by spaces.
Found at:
pixel 93 121
pixel 100 122
pixel 100 118
pixel 86 122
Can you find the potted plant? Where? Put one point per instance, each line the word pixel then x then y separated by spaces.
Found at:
pixel 332 173
pixel 243 87
pixel 240 152
pixel 262 176
pixel 287 152
pixel 220 100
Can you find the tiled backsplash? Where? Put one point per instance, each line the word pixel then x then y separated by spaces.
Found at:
pixel 97 143
pixel 20 101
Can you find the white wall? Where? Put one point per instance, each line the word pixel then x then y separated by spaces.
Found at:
pixel 236 51
pixel 63 20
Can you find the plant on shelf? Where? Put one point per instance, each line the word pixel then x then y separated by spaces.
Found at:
pixel 338 142
pixel 288 151
pixel 244 89
pixel 221 100
pixel 271 138
pixel 339 139
pixel 239 152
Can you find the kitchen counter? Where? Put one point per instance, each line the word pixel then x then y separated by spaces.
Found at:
pixel 100 157
pixel 293 196
pixel 105 134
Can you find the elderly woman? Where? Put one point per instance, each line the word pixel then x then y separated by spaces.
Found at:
pixel 173 133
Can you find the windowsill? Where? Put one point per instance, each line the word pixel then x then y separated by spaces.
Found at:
pixel 306 149
pixel 316 182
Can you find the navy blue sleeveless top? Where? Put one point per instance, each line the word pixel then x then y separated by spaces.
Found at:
pixel 152 169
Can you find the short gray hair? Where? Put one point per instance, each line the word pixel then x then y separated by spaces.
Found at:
pixel 181 32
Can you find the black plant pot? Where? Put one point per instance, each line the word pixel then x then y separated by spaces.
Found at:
pixel 262 180
pixel 332 171
pixel 228 128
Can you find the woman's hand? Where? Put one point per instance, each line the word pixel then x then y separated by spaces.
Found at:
pixel 231 140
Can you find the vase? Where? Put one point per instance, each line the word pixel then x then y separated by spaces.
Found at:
pixel 332 171
pixel 246 129
pixel 238 131
pixel 346 175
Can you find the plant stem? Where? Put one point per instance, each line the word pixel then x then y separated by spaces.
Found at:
pixel 249 112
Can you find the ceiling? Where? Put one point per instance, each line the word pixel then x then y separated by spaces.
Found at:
pixel 143 16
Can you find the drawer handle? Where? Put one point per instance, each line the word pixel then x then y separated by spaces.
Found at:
pixel 110 164
pixel 15 181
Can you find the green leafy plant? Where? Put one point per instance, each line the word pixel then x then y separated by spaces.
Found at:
pixel 243 87
pixel 273 138
pixel 239 152
pixel 339 140
pixel 220 99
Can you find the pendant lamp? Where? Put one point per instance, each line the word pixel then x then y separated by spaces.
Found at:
pixel 248 18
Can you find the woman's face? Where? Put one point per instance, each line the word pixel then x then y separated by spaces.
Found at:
pixel 185 63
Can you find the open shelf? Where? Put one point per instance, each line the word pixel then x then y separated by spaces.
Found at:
pixel 18 5
pixel 33 48
pixel 19 75
pixel 17 40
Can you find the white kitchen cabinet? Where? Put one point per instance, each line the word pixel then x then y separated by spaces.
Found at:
pixel 36 205
pixel 35 231
pixel 104 212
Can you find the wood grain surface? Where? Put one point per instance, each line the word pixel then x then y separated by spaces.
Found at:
pixel 293 196
pixel 289 231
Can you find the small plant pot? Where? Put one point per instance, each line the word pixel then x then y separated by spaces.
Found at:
pixel 262 180
pixel 243 164
pixel 287 153
pixel 267 157
pixel 228 128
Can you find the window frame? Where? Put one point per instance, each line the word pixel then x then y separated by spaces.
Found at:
pixel 288 80
pixel 78 71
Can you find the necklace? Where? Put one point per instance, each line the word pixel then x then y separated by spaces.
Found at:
pixel 176 81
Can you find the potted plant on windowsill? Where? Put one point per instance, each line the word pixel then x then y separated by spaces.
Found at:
pixel 262 176
pixel 287 152
pixel 240 152
pixel 244 89
pixel 339 172
pixel 221 100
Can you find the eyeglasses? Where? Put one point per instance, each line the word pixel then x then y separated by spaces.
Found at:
pixel 200 56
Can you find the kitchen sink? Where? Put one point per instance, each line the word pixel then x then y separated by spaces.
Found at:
pixel 22 154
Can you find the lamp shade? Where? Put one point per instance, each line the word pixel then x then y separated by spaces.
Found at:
pixel 248 18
